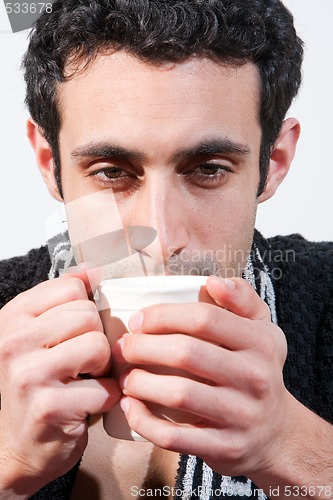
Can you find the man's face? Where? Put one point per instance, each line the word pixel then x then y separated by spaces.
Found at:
pixel 176 148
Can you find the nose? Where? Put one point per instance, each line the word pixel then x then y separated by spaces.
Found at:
pixel 160 204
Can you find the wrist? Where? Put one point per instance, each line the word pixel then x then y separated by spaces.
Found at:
pixel 11 485
pixel 15 481
pixel 303 464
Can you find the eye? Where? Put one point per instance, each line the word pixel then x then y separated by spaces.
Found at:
pixel 208 174
pixel 117 178
pixel 109 173
pixel 209 170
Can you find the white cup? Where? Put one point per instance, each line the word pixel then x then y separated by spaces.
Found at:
pixel 117 300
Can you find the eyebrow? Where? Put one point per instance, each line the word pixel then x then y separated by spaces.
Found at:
pixel 208 147
pixel 106 150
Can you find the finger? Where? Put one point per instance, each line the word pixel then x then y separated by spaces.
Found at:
pixel 94 395
pixel 56 325
pixel 188 354
pixel 194 402
pixel 86 354
pixel 185 438
pixel 80 398
pixel 199 320
pixel 46 295
pixel 239 297
pixel 89 273
pixel 64 322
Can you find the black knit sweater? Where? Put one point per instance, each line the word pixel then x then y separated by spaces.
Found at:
pixel 302 273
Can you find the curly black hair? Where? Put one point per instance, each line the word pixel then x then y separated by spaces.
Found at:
pixel 159 31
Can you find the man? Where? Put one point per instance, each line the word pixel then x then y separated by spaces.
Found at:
pixel 175 112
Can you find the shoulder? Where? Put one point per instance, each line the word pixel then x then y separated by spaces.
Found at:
pixel 301 248
pixel 21 273
pixel 306 264
pixel 302 272
pixel 296 243
pixel 297 258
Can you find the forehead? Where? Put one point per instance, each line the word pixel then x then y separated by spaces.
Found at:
pixel 117 92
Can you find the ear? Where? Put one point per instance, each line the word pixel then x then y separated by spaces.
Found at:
pixel 44 157
pixel 281 157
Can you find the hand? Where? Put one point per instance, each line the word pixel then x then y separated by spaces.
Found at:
pixel 53 360
pixel 232 356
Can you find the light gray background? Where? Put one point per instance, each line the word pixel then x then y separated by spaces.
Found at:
pixel 304 203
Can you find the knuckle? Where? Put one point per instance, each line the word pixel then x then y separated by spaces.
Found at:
pixel 81 313
pixel 232 450
pixel 247 418
pixel 205 315
pixel 75 289
pixel 92 317
pixel 8 348
pixel 98 344
pixel 182 396
pixel 168 440
pixel 229 449
pixel 259 382
pixel 89 307
pixel 45 408
pixel 266 344
pixel 23 380
pixel 184 351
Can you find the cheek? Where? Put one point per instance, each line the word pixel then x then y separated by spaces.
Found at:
pixel 231 213
pixel 225 226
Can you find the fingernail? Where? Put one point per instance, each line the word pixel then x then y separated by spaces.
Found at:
pixel 135 321
pixel 124 405
pixel 224 281
pixel 229 284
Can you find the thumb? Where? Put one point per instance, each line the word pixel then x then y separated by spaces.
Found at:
pixel 239 297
